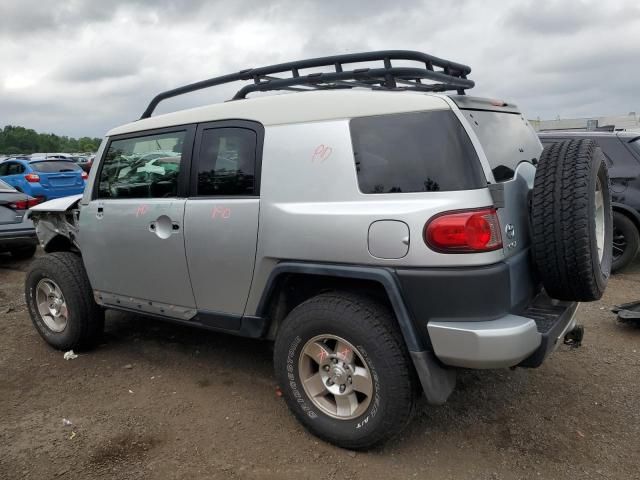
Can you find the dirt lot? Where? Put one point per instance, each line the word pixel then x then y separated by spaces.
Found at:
pixel 163 401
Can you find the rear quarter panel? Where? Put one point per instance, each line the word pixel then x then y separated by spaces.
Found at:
pixel 312 210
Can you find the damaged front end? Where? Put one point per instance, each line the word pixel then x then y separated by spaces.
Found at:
pixel 56 223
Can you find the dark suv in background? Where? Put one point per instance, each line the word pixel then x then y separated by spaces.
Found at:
pixel 622 152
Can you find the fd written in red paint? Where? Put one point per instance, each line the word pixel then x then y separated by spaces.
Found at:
pixel 220 212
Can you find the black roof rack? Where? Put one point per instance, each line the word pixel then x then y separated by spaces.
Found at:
pixel 447 75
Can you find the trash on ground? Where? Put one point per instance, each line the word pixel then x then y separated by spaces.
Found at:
pixel 73 434
pixel 70 355
pixel 66 422
pixel 627 311
pixel 128 366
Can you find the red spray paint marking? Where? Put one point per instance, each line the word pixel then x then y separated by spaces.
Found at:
pixel 345 353
pixel 321 153
pixel 323 354
pixel 220 212
pixel 141 210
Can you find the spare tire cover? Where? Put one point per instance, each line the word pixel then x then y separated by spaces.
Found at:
pixel 571 220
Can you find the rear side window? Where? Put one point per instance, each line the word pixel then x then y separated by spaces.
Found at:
pixel 227 162
pixel 12 168
pixel 54 167
pixel 142 167
pixel 507 140
pixel 414 152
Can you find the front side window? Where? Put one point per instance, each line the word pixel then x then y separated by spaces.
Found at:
pixel 414 152
pixel 142 167
pixel 226 162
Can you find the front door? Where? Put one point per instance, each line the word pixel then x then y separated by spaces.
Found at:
pixel 132 231
pixel 221 219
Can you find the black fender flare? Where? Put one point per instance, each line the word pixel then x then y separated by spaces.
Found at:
pixel 437 381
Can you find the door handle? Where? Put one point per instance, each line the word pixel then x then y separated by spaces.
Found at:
pixel 163 227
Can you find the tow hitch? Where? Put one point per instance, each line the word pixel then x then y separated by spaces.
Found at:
pixel 573 337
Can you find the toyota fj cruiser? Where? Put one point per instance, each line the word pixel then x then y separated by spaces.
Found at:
pixel 381 231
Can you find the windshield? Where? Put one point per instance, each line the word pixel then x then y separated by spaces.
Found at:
pixel 635 144
pixel 55 166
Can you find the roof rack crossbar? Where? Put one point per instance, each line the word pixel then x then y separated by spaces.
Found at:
pixel 449 76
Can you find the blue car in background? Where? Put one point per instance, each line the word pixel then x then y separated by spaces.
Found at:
pixel 44 179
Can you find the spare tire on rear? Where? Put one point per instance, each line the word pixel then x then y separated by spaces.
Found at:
pixel 571 220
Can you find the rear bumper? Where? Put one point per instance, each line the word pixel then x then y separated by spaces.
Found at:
pixel 493 316
pixel 17 238
pixel 504 342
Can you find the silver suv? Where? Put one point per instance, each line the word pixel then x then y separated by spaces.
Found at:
pixel 381 231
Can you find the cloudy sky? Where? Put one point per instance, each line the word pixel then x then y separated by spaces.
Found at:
pixel 80 67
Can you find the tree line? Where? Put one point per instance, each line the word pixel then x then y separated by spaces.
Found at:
pixel 19 140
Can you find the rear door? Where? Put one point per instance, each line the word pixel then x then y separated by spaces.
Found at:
pixel 512 149
pixel 12 173
pixel 221 219
pixel 131 232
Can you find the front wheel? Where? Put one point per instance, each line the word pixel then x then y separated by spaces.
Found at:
pixel 60 302
pixel 345 371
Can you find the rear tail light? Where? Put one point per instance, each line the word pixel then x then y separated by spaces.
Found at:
pixel 32 177
pixel 85 175
pixel 464 231
pixel 25 204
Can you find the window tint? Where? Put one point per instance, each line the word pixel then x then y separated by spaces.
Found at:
pixel 635 145
pixel 506 138
pixel 4 167
pixel 226 162
pixel 14 169
pixel 142 167
pixel 414 152
pixel 55 166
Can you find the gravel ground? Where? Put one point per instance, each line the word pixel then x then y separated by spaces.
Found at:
pixel 162 401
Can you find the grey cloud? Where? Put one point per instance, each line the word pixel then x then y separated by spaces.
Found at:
pixel 86 69
pixel 87 66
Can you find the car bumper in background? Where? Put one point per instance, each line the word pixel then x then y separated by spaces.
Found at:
pixel 17 238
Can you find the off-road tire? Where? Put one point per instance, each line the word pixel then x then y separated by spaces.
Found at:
pixel 624 226
pixel 563 221
pixel 85 322
pixel 371 328
pixel 23 253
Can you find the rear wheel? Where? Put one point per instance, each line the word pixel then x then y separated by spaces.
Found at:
pixel 60 302
pixel 626 241
pixel 344 370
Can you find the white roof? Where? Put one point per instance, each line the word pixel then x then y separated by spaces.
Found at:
pixel 297 108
